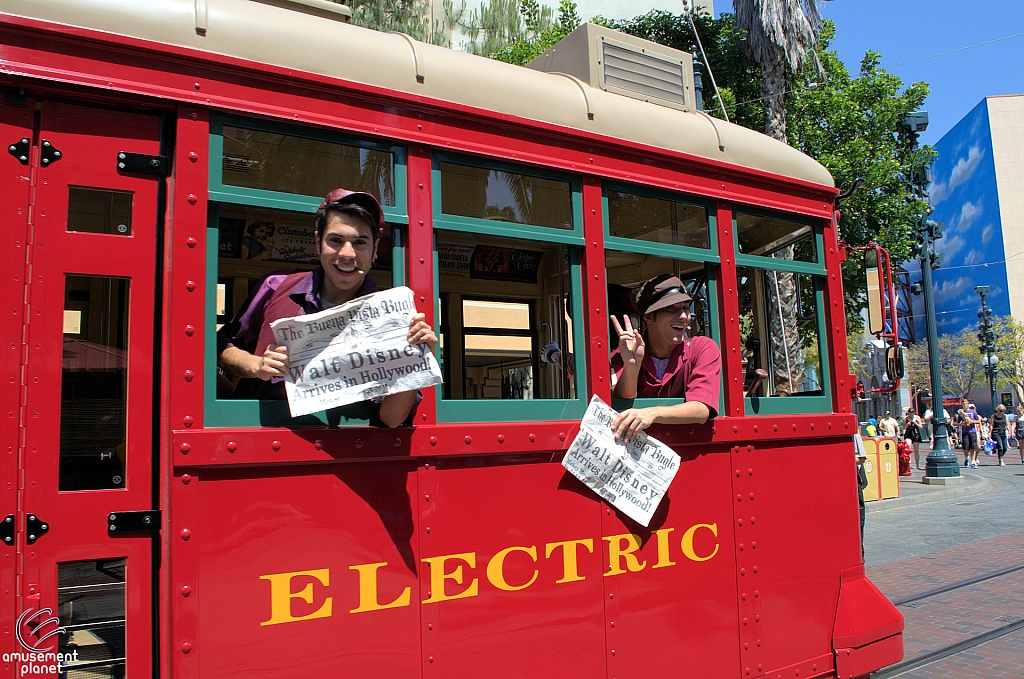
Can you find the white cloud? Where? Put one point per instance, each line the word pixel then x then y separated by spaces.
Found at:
pixel 974 257
pixel 968 213
pixel 950 246
pixel 962 171
pixel 950 290
pixel 987 233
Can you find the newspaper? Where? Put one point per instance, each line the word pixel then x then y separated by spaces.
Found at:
pixel 632 477
pixel 354 352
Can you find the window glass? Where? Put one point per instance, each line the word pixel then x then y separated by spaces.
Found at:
pixel 91 609
pixel 626 271
pixel 779 330
pixel 483 193
pixel 94 384
pixel 506 326
pixel 657 220
pixel 759 235
pixel 271 161
pixel 99 211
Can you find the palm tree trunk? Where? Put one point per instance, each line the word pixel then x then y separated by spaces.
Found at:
pixel 773 90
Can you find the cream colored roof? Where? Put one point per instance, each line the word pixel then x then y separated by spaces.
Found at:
pixel 273 32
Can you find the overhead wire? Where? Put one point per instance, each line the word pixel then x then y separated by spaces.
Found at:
pixel 707 64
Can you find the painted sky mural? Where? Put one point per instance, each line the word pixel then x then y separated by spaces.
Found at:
pixel 964 197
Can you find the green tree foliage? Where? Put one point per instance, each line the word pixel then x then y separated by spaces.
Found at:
pixel 539 36
pixel 1010 350
pixel 959 363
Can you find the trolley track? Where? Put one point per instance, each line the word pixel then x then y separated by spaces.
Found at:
pixel 1014 623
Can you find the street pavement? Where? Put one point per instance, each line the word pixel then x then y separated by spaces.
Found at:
pixel 934 536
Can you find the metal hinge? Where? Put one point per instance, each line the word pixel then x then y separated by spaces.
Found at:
pixel 7 529
pixel 140 163
pixel 19 150
pixel 48 153
pixel 147 521
pixel 35 528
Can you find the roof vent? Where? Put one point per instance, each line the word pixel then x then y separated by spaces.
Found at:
pixel 622 64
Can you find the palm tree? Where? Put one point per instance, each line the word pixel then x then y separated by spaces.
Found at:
pixel 780 34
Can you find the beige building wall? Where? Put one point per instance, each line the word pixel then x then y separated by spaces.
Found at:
pixel 1006 120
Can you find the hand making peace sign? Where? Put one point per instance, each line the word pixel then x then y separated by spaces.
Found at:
pixel 631 342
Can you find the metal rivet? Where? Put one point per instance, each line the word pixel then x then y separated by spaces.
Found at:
pixel 188 420
pixel 561 436
pixel 186 647
pixel 468 439
pixel 190 285
pixel 427 529
pixel 192 199
pixel 232 446
pixel 189 375
pixel 185 478
pixel 426 498
pixel 185 533
pixel 197 86
pixel 189 330
pixel 433 440
pixel 533 438
pixel 358 443
pixel 185 448
pixel 397 442
pixel 191 242
pixel 193 156
pixel 185 590
pixel 276 445
pixel 501 438
pixel 318 444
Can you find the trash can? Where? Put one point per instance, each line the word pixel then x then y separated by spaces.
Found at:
pixel 873 490
pixel 888 468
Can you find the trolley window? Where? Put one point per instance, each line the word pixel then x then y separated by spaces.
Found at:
pixel 261 222
pixel 509 293
pixel 650 232
pixel 781 274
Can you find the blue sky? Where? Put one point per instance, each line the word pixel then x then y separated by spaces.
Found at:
pixel 905 30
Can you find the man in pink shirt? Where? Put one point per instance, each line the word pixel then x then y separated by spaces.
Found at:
pixel 664 362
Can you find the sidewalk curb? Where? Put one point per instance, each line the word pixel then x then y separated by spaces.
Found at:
pixel 972 486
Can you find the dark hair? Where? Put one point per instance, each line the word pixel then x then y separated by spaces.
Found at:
pixel 251 229
pixel 358 211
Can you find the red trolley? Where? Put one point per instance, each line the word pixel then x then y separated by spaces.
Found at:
pixel 164 156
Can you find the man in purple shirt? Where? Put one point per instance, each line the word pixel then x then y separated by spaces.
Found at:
pixel 664 362
pixel 348 225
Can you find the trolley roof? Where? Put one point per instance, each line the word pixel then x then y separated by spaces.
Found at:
pixel 273 32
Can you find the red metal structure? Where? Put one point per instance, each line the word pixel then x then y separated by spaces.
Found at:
pixel 175 532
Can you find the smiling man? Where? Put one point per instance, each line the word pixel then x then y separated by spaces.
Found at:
pixel 664 362
pixel 348 228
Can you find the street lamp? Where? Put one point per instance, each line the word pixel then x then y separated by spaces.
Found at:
pixel 941 465
pixel 987 337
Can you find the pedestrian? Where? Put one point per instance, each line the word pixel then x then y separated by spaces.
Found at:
pixel 889 426
pixel 1011 429
pixel 912 434
pixel 870 429
pixel 998 423
pixel 862 482
pixel 969 434
pixel 1019 431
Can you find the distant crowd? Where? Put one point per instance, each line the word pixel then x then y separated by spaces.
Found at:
pixel 967 431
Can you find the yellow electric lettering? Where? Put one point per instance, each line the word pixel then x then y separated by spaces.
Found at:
pixel 281 596
pixel 368 589
pixel 687 542
pixel 570 570
pixel 617 552
pixel 438 577
pixel 496 568
pixel 663 557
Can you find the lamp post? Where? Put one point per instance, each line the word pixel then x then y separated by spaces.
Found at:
pixel 987 337
pixel 941 465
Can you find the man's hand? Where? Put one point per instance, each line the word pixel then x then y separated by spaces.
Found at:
pixel 420 332
pixel 629 423
pixel 273 363
pixel 631 342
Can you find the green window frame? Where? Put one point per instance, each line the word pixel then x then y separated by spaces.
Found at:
pixel 251 412
pixel 505 410
pixel 795 403
pixel 708 256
